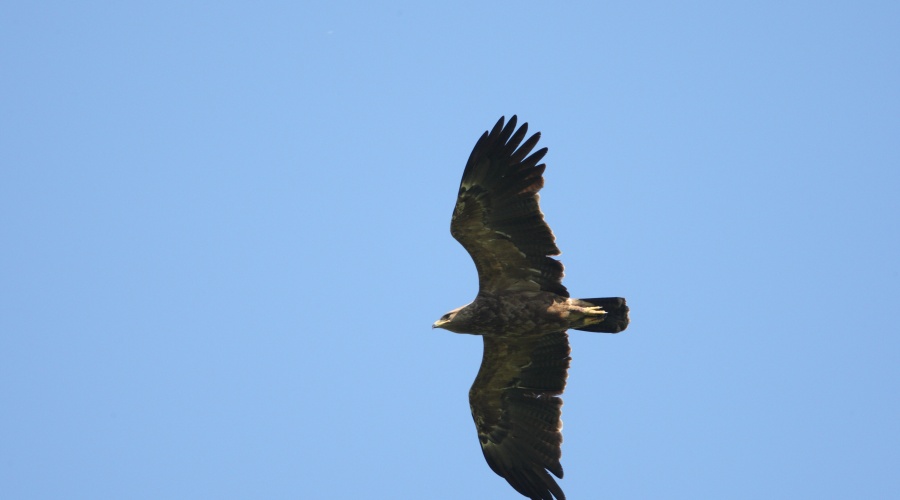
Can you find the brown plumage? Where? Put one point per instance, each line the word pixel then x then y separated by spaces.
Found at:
pixel 522 311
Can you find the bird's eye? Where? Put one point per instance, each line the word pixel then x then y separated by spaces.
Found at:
pixel 445 317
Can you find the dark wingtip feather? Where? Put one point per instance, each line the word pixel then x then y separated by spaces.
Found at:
pixel 499 126
pixel 507 131
pixel 526 147
pixel 534 483
pixel 533 160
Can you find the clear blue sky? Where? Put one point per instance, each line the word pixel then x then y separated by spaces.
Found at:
pixel 225 235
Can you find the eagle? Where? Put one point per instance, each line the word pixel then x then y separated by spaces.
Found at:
pixel 522 311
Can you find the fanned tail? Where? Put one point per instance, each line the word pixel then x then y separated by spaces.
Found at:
pixel 616 315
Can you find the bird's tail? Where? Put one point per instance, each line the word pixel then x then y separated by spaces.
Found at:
pixel 616 318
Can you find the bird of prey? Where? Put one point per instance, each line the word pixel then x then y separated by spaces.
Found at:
pixel 522 311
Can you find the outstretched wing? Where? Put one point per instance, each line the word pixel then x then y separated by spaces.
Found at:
pixel 497 218
pixel 517 412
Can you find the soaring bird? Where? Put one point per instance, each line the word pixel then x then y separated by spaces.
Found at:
pixel 522 311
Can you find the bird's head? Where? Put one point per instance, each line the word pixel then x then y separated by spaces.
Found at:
pixel 450 321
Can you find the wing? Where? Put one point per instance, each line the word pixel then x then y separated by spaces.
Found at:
pixel 497 218
pixel 517 412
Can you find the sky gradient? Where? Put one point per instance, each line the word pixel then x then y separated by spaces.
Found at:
pixel 226 235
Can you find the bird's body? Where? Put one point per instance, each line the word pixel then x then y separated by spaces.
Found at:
pixel 522 311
